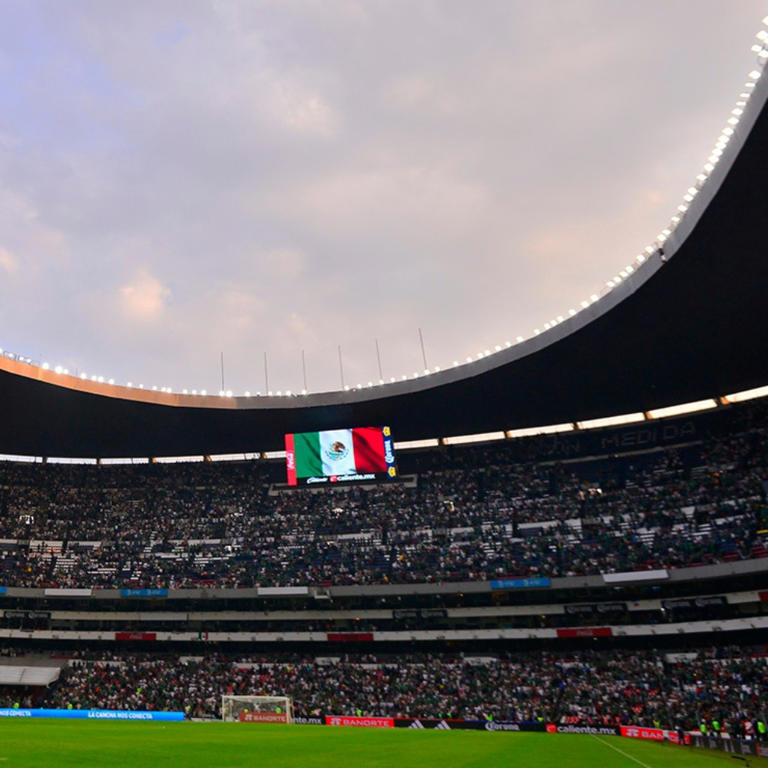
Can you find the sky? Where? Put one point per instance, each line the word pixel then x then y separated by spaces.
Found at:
pixel 190 178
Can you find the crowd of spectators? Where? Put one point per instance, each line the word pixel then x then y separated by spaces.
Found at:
pixel 597 687
pixel 229 525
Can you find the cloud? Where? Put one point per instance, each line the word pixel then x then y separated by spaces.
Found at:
pixel 8 262
pixel 304 112
pixel 144 298
pixel 316 174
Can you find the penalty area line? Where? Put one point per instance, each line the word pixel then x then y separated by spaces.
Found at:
pixel 620 751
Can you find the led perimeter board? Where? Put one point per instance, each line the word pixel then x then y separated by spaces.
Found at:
pixel 340 455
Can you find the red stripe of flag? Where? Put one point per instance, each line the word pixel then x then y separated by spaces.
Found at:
pixel 368 443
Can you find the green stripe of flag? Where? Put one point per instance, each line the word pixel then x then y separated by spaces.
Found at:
pixel 307 448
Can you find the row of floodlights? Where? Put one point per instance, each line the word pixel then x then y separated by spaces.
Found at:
pixel 431 442
pixel 725 136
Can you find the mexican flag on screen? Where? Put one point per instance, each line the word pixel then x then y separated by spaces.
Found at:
pixel 338 452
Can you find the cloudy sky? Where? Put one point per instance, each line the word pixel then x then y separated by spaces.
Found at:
pixel 189 177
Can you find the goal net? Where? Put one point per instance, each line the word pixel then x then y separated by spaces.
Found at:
pixel 256 709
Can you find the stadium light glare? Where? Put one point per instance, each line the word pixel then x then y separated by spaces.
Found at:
pixel 546 430
pixel 57 369
pixel 756 48
pixel 46 366
pixel 738 112
pixel 584 304
pixel 469 359
pixel 733 121
pixel 749 85
pixel 747 394
pixel 83 375
pixel 479 438
pixel 519 339
pixel 762 35
pixel 428 442
pixel 111 381
pixel 754 75
pixel 728 131
pixel 536 331
pixel 682 208
pixel 497 348
pixel 765 20
pixel 611 421
pixel 487 352
pixel 571 312
pixel 594 297
pixel 203 392
pixel 610 283
pixel 708 167
pixel 675 410
pixel 229 393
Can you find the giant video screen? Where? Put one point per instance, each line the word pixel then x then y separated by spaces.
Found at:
pixel 340 455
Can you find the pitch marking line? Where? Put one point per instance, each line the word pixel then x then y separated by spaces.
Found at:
pixel 620 751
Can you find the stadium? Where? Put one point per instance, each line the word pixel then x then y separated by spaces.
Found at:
pixel 556 550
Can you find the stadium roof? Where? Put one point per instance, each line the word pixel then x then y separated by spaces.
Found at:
pixel 688 323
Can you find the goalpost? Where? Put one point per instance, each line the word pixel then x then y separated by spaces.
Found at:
pixel 256 709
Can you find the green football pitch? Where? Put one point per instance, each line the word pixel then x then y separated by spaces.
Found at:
pixel 47 743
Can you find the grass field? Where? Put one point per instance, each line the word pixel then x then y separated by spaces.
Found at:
pixel 32 743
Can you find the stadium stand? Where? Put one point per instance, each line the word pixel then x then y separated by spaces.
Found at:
pixel 472 515
pixel 642 687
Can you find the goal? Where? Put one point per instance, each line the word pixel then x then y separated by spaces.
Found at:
pixel 256 709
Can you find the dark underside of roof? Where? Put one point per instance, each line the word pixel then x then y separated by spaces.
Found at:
pixel 696 328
